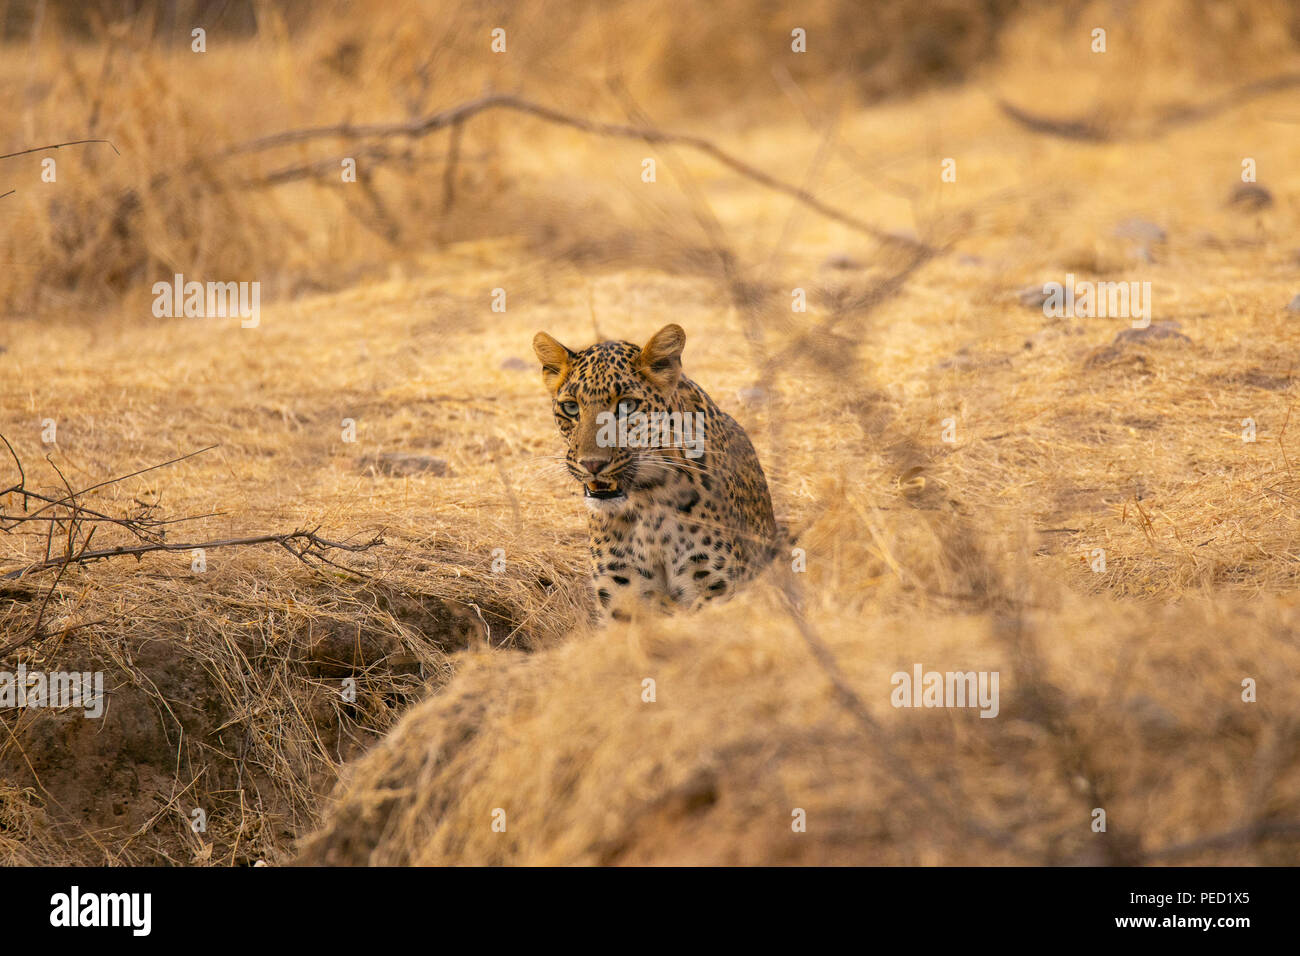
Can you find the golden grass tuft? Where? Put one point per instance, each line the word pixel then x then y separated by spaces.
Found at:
pixel 1103 705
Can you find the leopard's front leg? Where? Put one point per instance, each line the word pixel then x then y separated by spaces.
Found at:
pixel 703 569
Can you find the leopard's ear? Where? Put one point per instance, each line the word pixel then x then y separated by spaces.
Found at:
pixel 555 359
pixel 661 358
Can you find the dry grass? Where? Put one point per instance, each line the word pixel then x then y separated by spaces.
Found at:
pixel 1119 689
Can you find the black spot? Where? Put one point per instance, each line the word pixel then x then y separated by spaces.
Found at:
pixel 718 586
pixel 644 573
pixel 620 616
pixel 701 574
pixel 619 579
pixel 604 597
pixel 699 556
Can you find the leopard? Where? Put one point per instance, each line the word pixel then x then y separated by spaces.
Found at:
pixel 679 511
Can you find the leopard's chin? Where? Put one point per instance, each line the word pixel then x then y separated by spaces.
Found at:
pixel 605 497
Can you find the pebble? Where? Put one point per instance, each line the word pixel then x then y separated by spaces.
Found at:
pixel 1157 330
pixel 1251 196
pixel 1141 230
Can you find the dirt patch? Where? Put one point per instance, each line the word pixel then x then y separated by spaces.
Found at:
pixel 217 747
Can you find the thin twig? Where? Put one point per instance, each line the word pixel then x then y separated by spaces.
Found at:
pixel 41 149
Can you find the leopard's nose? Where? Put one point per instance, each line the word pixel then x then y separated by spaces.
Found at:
pixel 593 465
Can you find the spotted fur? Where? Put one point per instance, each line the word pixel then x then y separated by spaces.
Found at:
pixel 665 528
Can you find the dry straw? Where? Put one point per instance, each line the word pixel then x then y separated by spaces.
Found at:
pixel 478 686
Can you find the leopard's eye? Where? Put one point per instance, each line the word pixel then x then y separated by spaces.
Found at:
pixel 626 406
pixel 569 408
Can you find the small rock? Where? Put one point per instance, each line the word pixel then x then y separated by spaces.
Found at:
pixel 1294 304
pixel 515 364
pixel 964 359
pixel 1154 719
pixel 1032 296
pixel 400 464
pixel 1251 196
pixel 842 261
pixel 1157 330
pixel 1141 230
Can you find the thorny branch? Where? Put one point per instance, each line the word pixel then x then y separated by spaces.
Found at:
pixel 77 524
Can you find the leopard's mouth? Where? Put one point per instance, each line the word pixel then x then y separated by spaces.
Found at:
pixel 603 490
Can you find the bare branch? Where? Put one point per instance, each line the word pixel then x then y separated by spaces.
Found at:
pixel 457 115
pixel 315 544
pixel 71 515
pixel 1096 130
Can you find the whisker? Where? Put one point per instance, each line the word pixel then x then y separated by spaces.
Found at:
pixel 680 463
pixel 542 471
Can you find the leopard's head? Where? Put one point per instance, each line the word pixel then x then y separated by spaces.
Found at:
pixel 592 390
